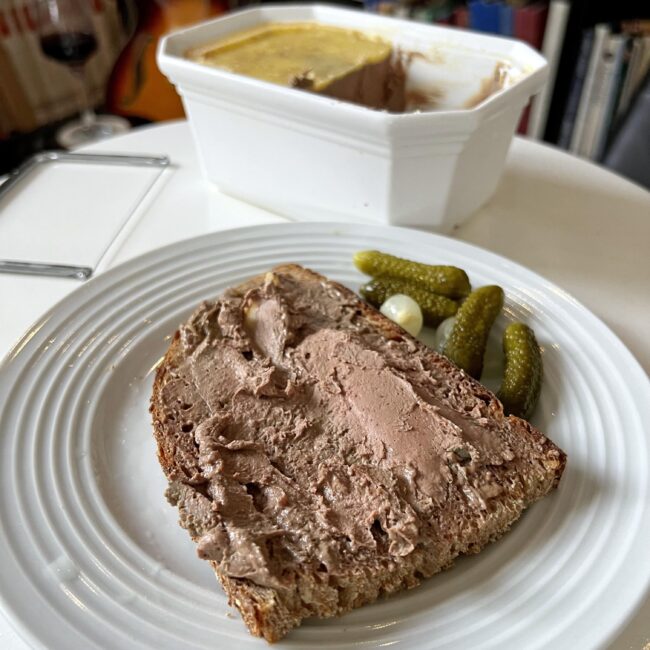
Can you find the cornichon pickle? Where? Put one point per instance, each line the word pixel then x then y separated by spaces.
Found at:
pixel 468 338
pixel 522 375
pixel 434 308
pixel 447 281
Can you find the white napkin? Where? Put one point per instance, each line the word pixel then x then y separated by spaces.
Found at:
pixel 39 222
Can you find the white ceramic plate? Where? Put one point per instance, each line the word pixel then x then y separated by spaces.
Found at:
pixel 91 552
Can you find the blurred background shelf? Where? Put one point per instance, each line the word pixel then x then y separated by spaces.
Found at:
pixel 595 105
pixel 599 58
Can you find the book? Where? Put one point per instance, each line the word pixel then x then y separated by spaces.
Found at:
pixel 554 31
pixel 637 69
pixel 484 16
pixel 625 66
pixel 460 17
pixel 506 20
pixel 645 61
pixel 634 58
pixel 598 98
pixel 601 32
pixel 571 110
pixel 580 20
pixel 529 23
pixel 613 64
pixel 439 13
pixel 628 153
pixel 596 128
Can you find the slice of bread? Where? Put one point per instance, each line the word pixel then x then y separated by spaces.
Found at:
pixel 320 457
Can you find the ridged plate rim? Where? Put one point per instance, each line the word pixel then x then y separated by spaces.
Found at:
pixel 257 242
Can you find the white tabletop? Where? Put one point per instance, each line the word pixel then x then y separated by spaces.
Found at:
pixel 580 226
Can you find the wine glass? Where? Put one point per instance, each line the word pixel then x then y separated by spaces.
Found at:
pixel 67 35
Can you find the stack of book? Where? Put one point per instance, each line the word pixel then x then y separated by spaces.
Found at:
pixel 541 24
pixel 610 69
pixel 595 68
pixel 520 19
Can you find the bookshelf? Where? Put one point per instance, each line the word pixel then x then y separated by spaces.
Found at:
pixel 564 30
pixel 598 53
pixel 612 72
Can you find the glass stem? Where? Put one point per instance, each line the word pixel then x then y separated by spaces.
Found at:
pixel 87 113
pixel 88 117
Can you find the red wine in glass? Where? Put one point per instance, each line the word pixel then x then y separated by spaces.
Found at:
pixel 67 35
pixel 72 48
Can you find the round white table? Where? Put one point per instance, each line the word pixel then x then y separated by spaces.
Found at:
pixel 575 223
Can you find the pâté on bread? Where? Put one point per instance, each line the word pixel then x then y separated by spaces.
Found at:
pixel 320 457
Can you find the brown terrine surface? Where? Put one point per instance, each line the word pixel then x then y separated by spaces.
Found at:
pixel 342 63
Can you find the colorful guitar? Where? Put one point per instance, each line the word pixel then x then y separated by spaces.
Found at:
pixel 136 87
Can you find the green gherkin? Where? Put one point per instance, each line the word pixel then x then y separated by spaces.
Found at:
pixel 522 375
pixel 434 308
pixel 447 281
pixel 468 338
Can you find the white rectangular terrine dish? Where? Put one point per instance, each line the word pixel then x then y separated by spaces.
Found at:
pixel 310 157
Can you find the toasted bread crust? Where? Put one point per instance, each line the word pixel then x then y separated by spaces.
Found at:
pixel 271 614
